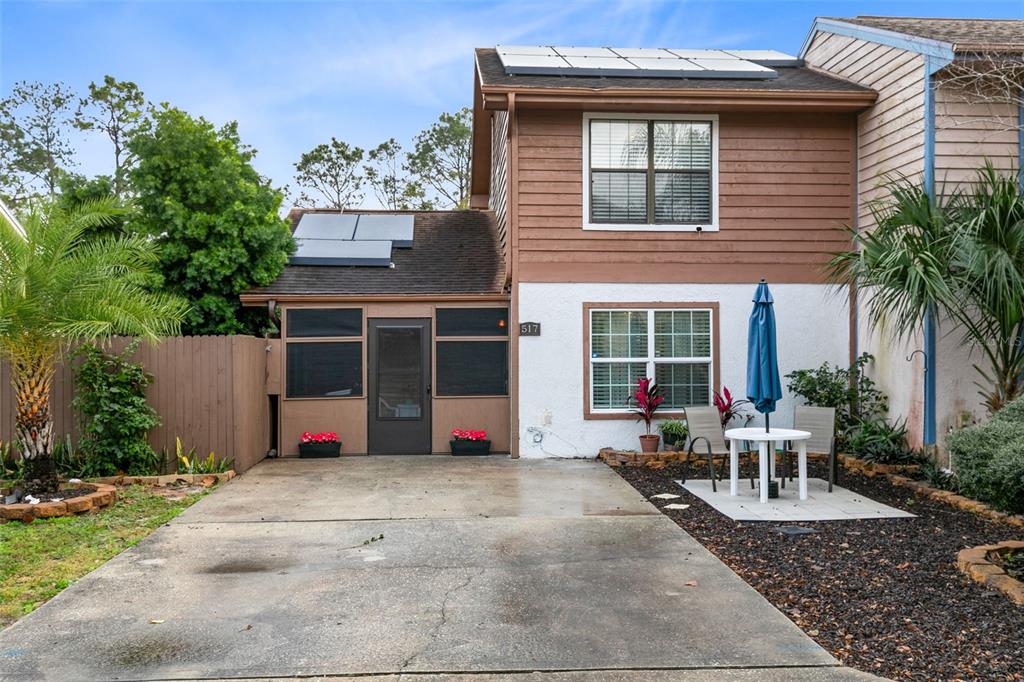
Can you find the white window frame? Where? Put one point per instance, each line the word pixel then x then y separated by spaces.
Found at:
pixel 651 227
pixel 650 359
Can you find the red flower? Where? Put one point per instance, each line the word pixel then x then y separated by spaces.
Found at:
pixel 468 434
pixel 322 437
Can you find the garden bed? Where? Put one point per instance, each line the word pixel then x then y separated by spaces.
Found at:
pixel 872 469
pixel 71 499
pixel 883 595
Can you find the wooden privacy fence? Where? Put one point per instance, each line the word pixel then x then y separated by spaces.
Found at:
pixel 208 390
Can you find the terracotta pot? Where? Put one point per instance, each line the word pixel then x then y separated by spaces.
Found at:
pixel 649 443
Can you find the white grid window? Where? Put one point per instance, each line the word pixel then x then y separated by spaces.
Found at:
pixel 673 346
pixel 652 173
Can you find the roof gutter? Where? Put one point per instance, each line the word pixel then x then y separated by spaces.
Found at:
pixel 262 299
pixel 496 97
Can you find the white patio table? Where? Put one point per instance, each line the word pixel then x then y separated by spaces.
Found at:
pixel 766 444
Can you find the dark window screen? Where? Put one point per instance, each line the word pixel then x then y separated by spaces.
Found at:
pixel 472 322
pixel 325 370
pixel 325 322
pixel 472 367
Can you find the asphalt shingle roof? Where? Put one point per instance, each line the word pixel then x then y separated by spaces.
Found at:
pixel 453 252
pixel 966 35
pixel 792 78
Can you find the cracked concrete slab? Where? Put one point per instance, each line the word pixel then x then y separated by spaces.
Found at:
pixel 522 581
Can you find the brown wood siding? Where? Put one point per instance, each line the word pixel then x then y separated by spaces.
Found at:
pixel 498 199
pixel 891 133
pixel 784 185
pixel 207 390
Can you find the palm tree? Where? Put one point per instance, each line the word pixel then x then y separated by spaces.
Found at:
pixel 960 257
pixel 59 288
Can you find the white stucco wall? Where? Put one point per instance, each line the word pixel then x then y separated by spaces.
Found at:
pixel 813 327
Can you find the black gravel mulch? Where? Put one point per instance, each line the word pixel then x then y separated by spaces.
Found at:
pixel 882 595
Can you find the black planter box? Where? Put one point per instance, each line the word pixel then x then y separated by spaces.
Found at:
pixel 470 447
pixel 319 450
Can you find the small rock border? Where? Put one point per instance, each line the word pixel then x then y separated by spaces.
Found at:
pixel 872 469
pixel 978 565
pixel 958 501
pixel 103 495
pixel 166 480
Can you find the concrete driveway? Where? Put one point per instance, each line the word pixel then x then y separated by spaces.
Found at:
pixel 395 566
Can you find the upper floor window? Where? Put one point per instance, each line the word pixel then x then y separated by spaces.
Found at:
pixel 650 173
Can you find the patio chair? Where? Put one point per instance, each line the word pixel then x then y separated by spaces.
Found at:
pixel 706 435
pixel 821 422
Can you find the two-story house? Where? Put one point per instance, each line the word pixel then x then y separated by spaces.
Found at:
pixel 944 108
pixel 625 204
pixel 639 203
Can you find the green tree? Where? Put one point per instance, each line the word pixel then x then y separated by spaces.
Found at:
pixel 960 256
pixel 213 218
pixel 76 190
pixel 328 176
pixel 115 109
pixel 34 138
pixel 57 289
pixel 441 157
pixel 391 183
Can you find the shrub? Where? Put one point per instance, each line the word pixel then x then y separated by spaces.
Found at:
pixel 110 397
pixel 1006 478
pixel 880 441
pixel 1013 412
pixel 849 391
pixel 989 462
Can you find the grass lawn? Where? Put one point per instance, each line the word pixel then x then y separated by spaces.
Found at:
pixel 39 559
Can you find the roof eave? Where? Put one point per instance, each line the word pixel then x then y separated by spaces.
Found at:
pixel 252 299
pixel 911 43
pixel 496 97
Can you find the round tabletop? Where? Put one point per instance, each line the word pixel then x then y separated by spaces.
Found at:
pixel 758 434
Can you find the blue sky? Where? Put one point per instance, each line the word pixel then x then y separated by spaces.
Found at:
pixel 295 73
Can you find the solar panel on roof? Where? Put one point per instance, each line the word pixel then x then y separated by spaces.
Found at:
pixel 326 226
pixel 584 52
pixel 398 229
pixel 341 252
pixel 641 62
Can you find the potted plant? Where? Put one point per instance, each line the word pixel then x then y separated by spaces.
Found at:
pixel 646 400
pixel 674 432
pixel 316 445
pixel 728 408
pixel 470 442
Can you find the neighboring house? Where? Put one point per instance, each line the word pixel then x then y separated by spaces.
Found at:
pixel 931 121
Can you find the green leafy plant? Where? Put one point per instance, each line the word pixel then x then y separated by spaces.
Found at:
pixel 674 431
pixel 57 289
pixel 849 390
pixel 1013 564
pixel 882 442
pixel 958 257
pixel 12 466
pixel 938 477
pixel 191 463
pixel 110 398
pixel 71 462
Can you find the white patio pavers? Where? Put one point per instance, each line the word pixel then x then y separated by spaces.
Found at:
pixel 820 505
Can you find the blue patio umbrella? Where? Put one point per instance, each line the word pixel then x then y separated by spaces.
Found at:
pixel 764 388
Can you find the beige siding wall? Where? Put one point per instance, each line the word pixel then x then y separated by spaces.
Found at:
pixel 498 200
pixel 969 131
pixel 891 133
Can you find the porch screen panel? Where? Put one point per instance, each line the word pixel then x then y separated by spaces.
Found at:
pixel 308 322
pixel 324 370
pixel 472 368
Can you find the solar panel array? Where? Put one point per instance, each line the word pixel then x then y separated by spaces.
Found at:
pixel 644 62
pixel 351 238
